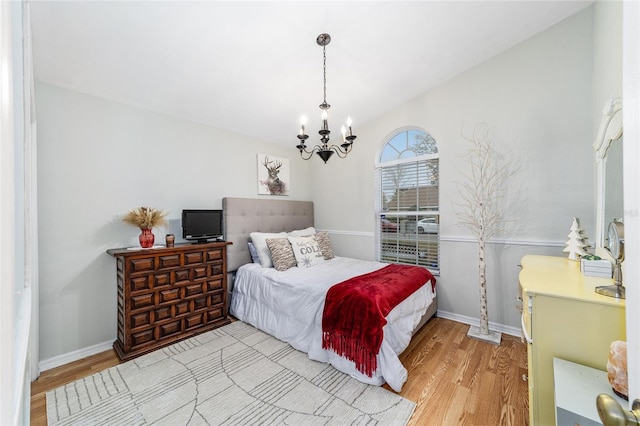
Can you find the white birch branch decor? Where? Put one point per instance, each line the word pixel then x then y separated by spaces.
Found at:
pixel 481 207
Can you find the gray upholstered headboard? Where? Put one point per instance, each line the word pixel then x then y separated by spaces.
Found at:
pixel 245 215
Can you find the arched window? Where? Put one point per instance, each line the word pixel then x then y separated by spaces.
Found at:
pixel 407 206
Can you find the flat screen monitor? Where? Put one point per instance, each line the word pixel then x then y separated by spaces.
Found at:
pixel 202 225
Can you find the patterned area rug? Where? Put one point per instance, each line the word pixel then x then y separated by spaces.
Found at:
pixel 234 375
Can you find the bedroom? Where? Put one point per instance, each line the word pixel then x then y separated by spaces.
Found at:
pixel 100 148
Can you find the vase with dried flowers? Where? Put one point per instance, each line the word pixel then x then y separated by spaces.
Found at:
pixel 146 218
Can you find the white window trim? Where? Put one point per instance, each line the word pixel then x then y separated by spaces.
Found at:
pixel 378 201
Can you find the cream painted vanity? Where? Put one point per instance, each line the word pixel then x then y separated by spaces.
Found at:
pixel 563 317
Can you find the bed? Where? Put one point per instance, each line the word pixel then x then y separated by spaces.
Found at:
pixel 289 303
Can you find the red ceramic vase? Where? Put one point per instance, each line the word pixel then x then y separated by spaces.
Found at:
pixel 146 238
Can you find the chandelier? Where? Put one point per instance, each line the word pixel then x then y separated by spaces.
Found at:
pixel 324 150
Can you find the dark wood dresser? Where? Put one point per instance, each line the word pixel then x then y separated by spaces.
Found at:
pixel 168 294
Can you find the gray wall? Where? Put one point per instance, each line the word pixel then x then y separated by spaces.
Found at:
pixel 97 159
pixel 539 97
pixel 607 55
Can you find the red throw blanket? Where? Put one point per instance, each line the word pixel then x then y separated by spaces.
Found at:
pixel 355 311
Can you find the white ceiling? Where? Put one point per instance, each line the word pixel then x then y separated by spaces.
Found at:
pixel 254 67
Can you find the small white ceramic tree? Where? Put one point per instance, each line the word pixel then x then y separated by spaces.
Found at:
pixel 577 244
pixel 481 208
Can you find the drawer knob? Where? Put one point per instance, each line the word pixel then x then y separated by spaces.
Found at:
pixel 612 414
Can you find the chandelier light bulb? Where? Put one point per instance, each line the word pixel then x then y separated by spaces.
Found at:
pixel 303 121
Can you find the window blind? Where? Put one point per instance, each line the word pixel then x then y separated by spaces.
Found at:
pixel 408 211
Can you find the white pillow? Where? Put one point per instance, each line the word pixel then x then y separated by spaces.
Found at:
pixel 259 239
pixel 302 232
pixel 307 251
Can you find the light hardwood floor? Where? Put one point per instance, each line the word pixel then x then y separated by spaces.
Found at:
pixel 456 380
pixel 453 379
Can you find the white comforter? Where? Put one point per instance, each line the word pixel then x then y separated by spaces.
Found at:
pixel 289 306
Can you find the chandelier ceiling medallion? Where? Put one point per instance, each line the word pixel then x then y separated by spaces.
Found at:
pixel 324 150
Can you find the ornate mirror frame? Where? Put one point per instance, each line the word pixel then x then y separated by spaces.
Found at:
pixel 610 131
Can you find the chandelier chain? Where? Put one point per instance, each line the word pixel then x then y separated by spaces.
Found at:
pixel 324 72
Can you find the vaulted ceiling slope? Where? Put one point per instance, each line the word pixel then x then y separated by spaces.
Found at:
pixel 254 67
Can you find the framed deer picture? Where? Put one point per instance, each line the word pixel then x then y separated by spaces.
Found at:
pixel 273 175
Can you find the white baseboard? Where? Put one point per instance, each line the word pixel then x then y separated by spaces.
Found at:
pixel 59 360
pixel 63 359
pixel 512 331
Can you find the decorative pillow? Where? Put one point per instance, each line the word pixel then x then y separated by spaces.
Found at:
pixel 324 242
pixel 281 253
pixel 259 240
pixel 253 252
pixel 307 251
pixel 302 232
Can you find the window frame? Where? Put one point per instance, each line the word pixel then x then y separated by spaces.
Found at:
pixel 417 213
